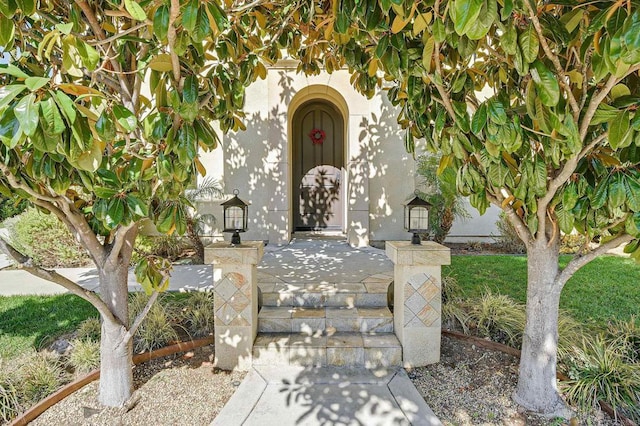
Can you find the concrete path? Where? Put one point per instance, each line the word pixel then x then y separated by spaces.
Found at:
pixel 306 260
pixel 298 396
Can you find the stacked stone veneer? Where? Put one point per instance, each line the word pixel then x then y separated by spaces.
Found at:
pixel 417 299
pixel 235 301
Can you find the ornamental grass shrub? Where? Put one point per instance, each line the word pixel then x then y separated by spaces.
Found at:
pixel 46 240
pixel 40 375
pixel 600 369
pixel 157 329
pixel 497 317
pixel 197 313
pixel 89 329
pixel 10 405
pixel 84 356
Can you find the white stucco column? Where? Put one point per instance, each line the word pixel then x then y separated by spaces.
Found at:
pixel 417 314
pixel 235 301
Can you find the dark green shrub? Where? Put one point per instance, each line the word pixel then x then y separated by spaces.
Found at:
pixel 46 240
pixel 11 206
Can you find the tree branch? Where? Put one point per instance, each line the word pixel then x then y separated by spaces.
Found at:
pixel 174 13
pixel 554 59
pixel 597 99
pixel 120 34
pixel 565 173
pixel 25 263
pixel 118 243
pixel 580 260
pixel 99 32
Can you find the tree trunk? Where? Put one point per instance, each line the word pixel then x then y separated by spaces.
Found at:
pixel 537 388
pixel 116 352
pixel 192 234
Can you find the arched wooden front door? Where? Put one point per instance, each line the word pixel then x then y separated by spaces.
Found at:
pixel 318 159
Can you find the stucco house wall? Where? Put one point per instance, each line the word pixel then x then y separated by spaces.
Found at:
pixel 378 175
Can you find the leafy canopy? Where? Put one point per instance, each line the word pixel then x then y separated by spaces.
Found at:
pixel 534 105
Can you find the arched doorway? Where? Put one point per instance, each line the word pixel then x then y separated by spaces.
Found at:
pixel 317 166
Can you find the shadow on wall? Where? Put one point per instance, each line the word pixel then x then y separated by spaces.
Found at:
pixel 319 201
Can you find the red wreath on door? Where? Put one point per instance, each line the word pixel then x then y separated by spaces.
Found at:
pixel 317 136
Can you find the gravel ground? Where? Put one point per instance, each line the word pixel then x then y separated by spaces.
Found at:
pixel 175 390
pixel 470 386
pixel 473 386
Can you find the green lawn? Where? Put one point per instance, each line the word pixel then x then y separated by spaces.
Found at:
pixel 607 288
pixel 35 321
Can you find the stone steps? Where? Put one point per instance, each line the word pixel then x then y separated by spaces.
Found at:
pixel 331 348
pixel 319 320
pixel 319 295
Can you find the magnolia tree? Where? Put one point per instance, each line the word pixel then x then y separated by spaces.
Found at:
pixel 104 106
pixel 532 104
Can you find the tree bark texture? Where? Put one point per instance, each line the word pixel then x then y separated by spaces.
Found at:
pixel 116 350
pixel 537 387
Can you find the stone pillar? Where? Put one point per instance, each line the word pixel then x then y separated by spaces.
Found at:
pixel 235 301
pixel 417 299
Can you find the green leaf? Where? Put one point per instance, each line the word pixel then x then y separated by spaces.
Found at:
pixel 617 190
pixel 105 127
pixel 497 114
pixel 161 22
pixel 632 192
pixel 35 83
pixel 599 196
pixel 488 15
pixel 115 212
pixel 104 192
pixel 66 106
pixel 190 89
pixel 7 32
pixel 219 16
pixel 26 112
pixel 136 206
pixel 13 70
pixel 8 8
pixel 546 84
pixel 619 129
pixel 565 219
pixel 90 160
pixel 28 7
pixel 65 28
pixel 90 56
pixel 509 40
pixel 110 178
pixel 479 119
pixel 190 16
pixel 135 10
pixel 51 117
pixel 202 28
pixel 464 13
pixel 570 196
pixel 439 31
pixel 8 93
pixel 529 44
pixel 125 118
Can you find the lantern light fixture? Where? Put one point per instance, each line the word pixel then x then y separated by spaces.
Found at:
pixel 235 212
pixel 416 217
